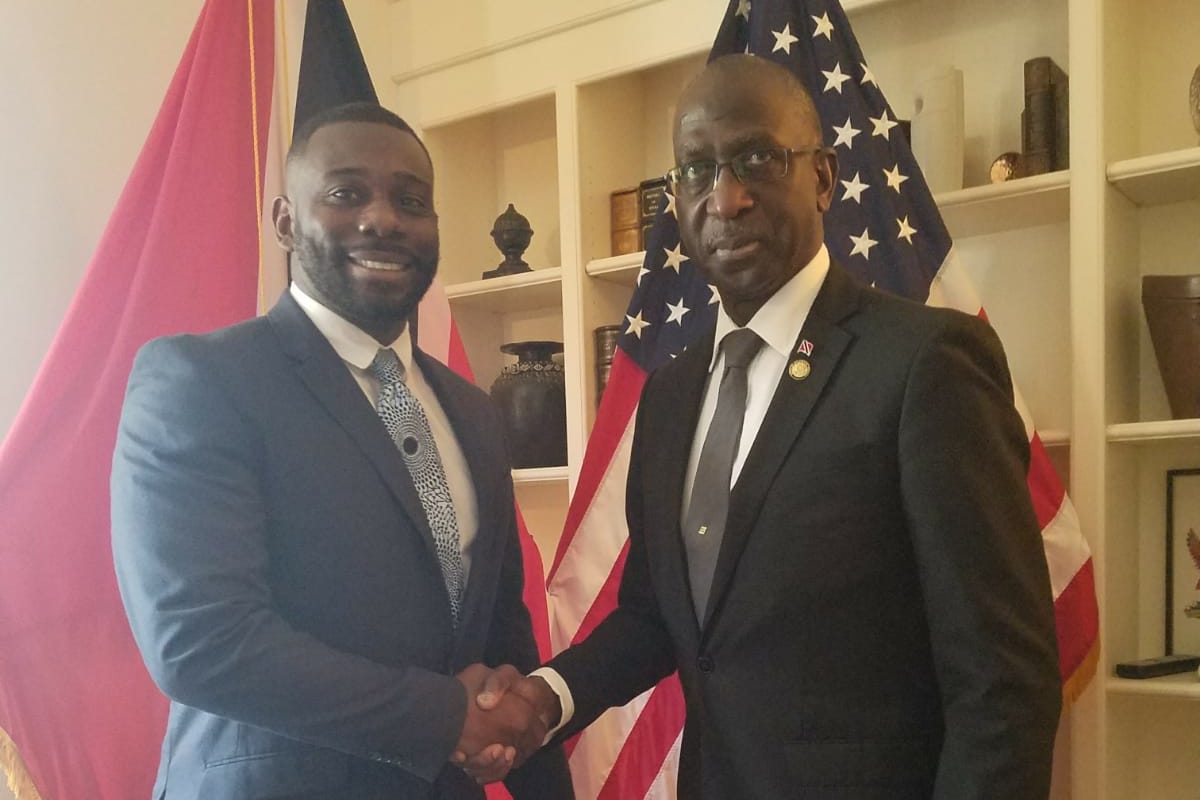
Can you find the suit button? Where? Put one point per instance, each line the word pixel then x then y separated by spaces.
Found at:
pixel 705 663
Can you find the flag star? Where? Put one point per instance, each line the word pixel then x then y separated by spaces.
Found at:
pixel 670 204
pixel 906 230
pixel 641 272
pixel 868 76
pixel 676 312
pixel 846 134
pixel 883 125
pixel 675 257
pixel 894 178
pixel 835 78
pixel 743 9
pixel 862 244
pixel 636 324
pixel 714 297
pixel 854 189
pixel 824 27
pixel 784 39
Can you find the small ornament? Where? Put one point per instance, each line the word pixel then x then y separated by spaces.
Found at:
pixel 1006 167
pixel 806 347
pixel 799 369
pixel 511 233
pixel 1194 97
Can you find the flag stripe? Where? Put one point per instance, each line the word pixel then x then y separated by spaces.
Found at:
pixel 1078 620
pixel 616 410
pixel 648 743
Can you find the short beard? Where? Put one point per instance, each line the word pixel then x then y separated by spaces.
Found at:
pixel 322 264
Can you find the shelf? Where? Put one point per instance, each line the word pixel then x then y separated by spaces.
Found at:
pixel 1158 179
pixel 1185 685
pixel 1142 432
pixel 1054 438
pixel 621 269
pixel 1000 207
pixel 977 211
pixel 541 288
pixel 530 475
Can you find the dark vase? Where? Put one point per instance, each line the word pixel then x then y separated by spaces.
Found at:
pixel 1172 307
pixel 532 399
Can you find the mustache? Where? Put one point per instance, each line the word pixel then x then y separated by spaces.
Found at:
pixel 729 237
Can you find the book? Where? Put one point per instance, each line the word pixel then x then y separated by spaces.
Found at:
pixel 625 221
pixel 1045 121
pixel 652 196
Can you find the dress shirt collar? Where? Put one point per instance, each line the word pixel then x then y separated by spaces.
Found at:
pixel 354 345
pixel 779 321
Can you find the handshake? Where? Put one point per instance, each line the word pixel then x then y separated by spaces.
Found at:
pixel 508 716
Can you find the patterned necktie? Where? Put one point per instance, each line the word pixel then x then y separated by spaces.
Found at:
pixel 405 420
pixel 705 524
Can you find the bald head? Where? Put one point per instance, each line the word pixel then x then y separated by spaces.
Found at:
pixel 727 80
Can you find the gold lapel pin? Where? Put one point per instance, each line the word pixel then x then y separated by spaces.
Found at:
pixel 799 369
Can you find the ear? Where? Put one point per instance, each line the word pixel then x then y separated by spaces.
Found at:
pixel 826 164
pixel 281 214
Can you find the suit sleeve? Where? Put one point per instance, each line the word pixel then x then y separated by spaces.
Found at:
pixel 190 543
pixel 631 649
pixel 964 460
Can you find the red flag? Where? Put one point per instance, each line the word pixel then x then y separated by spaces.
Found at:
pixel 180 253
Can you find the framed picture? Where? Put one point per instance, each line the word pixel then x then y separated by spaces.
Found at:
pixel 1183 561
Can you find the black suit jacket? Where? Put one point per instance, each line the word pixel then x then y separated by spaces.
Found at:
pixel 881 622
pixel 281 580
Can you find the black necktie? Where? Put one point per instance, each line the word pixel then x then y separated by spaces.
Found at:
pixel 705 524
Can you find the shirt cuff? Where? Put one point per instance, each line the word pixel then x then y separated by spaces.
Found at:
pixel 559 687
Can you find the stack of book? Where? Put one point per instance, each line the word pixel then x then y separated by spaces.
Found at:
pixel 632 213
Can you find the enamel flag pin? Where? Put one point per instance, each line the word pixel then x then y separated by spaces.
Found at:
pixel 799 369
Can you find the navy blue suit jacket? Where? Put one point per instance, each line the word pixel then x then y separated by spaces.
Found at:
pixel 281 580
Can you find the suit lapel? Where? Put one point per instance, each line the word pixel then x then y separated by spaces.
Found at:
pixel 786 417
pixel 325 375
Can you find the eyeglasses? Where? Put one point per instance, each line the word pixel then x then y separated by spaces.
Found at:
pixel 760 165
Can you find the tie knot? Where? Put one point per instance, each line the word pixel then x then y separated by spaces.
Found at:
pixel 740 347
pixel 387 367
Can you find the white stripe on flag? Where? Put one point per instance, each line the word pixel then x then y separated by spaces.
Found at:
pixel 597 542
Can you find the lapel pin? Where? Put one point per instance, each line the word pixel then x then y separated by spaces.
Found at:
pixel 806 348
pixel 799 369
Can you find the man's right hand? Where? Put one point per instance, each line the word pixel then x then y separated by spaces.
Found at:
pixel 502 728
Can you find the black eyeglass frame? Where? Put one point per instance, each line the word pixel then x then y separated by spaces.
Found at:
pixel 674 175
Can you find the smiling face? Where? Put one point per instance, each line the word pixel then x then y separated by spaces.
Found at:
pixel 359 218
pixel 749 240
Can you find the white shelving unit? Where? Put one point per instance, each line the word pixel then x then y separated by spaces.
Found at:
pixel 554 116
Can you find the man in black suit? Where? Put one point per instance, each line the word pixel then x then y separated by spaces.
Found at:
pixel 876 620
pixel 311 582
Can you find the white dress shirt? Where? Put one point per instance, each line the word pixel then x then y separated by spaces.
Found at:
pixel 778 324
pixel 357 350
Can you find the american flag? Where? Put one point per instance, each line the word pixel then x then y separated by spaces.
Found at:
pixel 885 227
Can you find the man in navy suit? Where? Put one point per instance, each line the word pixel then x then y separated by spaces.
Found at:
pixel 284 576
pixel 875 621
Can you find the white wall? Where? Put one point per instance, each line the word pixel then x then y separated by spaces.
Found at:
pixel 80 84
